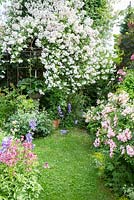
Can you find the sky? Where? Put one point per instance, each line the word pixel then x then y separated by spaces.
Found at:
pixel 121 5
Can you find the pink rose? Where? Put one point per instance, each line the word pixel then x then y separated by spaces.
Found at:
pixel 132 57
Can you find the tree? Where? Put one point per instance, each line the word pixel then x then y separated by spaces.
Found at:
pixel 71 51
pixel 126 42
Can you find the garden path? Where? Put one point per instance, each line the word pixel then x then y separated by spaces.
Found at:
pixel 72 174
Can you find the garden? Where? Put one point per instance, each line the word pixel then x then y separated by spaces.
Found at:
pixel 66 101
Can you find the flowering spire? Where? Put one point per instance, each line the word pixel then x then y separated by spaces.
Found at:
pixel 69 107
pixel 33 124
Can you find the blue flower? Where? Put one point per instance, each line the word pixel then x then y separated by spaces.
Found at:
pixel 5 143
pixel 60 112
pixel 69 107
pixel 29 137
pixel 63 131
pixel 33 124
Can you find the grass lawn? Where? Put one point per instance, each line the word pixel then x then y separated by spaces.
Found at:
pixel 71 175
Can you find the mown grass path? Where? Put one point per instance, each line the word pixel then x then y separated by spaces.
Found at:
pixel 72 175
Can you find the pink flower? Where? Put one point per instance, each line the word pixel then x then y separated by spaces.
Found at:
pixel 97 142
pixel 132 57
pixel 122 148
pixel 110 133
pixel 115 120
pixel 18 153
pixel 112 146
pixel 105 124
pixel 130 150
pixel 120 79
pixel 127 111
pixel 124 136
pixel 46 165
pixel 121 72
pixel 123 98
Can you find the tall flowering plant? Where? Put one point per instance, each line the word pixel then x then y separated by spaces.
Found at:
pixel 65 115
pixel 18 169
pixel 115 130
pixel 114 136
pixel 71 51
pixel 112 123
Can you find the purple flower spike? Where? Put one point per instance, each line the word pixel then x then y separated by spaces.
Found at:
pixel 33 124
pixel 5 143
pixel 60 112
pixel 29 137
pixel 69 107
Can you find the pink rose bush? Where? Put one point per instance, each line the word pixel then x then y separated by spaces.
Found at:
pixel 132 57
pixel 115 121
pixel 111 124
pixel 121 74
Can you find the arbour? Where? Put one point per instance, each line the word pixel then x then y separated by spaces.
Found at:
pixel 18 71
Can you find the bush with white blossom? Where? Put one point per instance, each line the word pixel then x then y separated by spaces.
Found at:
pixel 72 53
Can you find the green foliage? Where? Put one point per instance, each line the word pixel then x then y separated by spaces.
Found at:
pixel 126 39
pixel 25 104
pixel 128 83
pixel 97 10
pixel 100 12
pixel 73 118
pixel 7 104
pixel 44 124
pixel 119 52
pixel 127 47
pixel 18 123
pixel 52 99
pixel 98 90
pixel 18 173
pixel 129 191
pixel 22 185
pixel 31 86
pixel 128 18
pixel 117 173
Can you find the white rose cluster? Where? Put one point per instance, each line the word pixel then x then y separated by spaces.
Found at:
pixel 72 53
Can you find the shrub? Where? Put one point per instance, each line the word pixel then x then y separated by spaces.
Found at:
pixel 128 83
pixel 72 52
pixel 18 170
pixel 18 123
pixel 114 137
pixel 69 111
pixel 7 104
